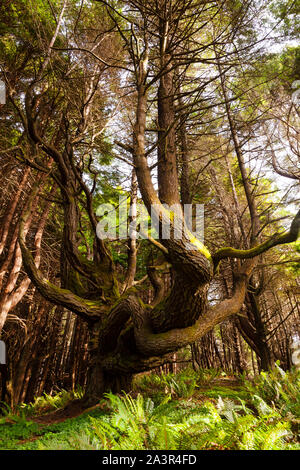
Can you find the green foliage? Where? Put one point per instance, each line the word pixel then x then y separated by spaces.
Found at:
pixel 14 427
pixel 46 402
pixel 227 427
pixel 287 11
pixel 181 385
pixel 205 377
pixel 278 388
pixel 136 424
pixel 230 423
pixel 10 416
pixel 60 436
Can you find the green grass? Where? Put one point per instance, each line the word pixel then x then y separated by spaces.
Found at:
pixel 189 411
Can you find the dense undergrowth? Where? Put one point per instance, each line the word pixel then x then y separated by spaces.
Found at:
pixel 191 410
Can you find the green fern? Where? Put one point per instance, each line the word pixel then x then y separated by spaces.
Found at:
pixel 278 388
pixel 174 418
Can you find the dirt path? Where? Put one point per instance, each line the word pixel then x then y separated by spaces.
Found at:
pixel 72 410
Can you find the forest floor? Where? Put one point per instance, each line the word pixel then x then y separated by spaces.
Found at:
pixel 180 403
